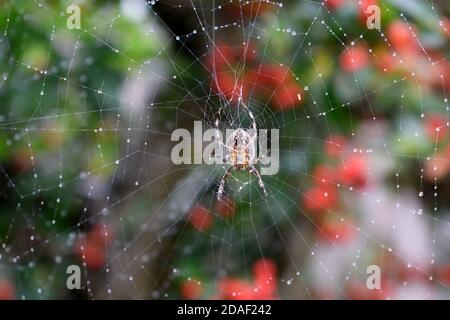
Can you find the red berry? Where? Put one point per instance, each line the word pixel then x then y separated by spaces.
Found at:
pixel 264 290
pixel 334 4
pixel 355 58
pixel 353 171
pixel 270 80
pixel 445 27
pixel 335 145
pixel 94 246
pixel 337 231
pixel 446 153
pixel 222 62
pixel 201 218
pixel 264 268
pixel 265 283
pixel 323 175
pixel 363 6
pixel 408 274
pixel 437 167
pixel 225 207
pixel 359 291
pixel 319 199
pixel 220 58
pixel 226 84
pixel 271 75
pixel 7 290
pixel 191 289
pixel 385 61
pixel 435 124
pixel 100 234
pixel 234 289
pixel 277 83
pixel 287 96
pixel 401 37
pixel 266 78
pixel 224 56
pixel 443 273
pixel 92 253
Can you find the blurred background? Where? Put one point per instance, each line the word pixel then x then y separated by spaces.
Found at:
pixel 86 177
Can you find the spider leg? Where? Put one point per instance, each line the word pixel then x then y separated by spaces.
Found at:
pixel 223 181
pixel 255 172
pixel 252 118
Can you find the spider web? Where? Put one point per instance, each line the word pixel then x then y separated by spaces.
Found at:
pixel 87 177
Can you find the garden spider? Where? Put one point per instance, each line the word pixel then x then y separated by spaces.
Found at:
pixel 241 153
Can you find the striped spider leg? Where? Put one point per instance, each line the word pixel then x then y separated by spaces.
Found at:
pixel 240 153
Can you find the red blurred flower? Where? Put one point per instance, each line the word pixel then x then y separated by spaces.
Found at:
pixel 226 84
pixel 234 289
pixel 93 254
pixel 272 81
pixel 434 124
pixel 92 249
pixel 401 37
pixel 355 58
pixel 319 199
pixel 385 61
pixel 191 289
pixel 337 231
pixel 445 27
pixel 264 290
pixel 201 218
pixel 287 96
pixel 443 274
pixel 222 63
pixel 263 287
pixel 265 280
pixel 353 171
pixel 276 83
pixel 224 56
pixel 264 268
pixel 220 58
pixel 334 4
pixel 269 75
pixel 323 174
pixel 359 291
pixel 447 152
pixel 408 274
pixel 437 167
pixel 438 74
pixel 225 207
pixel 101 234
pixel 363 6
pixel 7 290
pixel 335 145
pixel 435 74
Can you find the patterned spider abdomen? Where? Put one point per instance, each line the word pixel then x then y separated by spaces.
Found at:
pixel 240 146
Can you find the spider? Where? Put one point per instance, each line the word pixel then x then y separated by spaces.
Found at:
pixel 241 154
